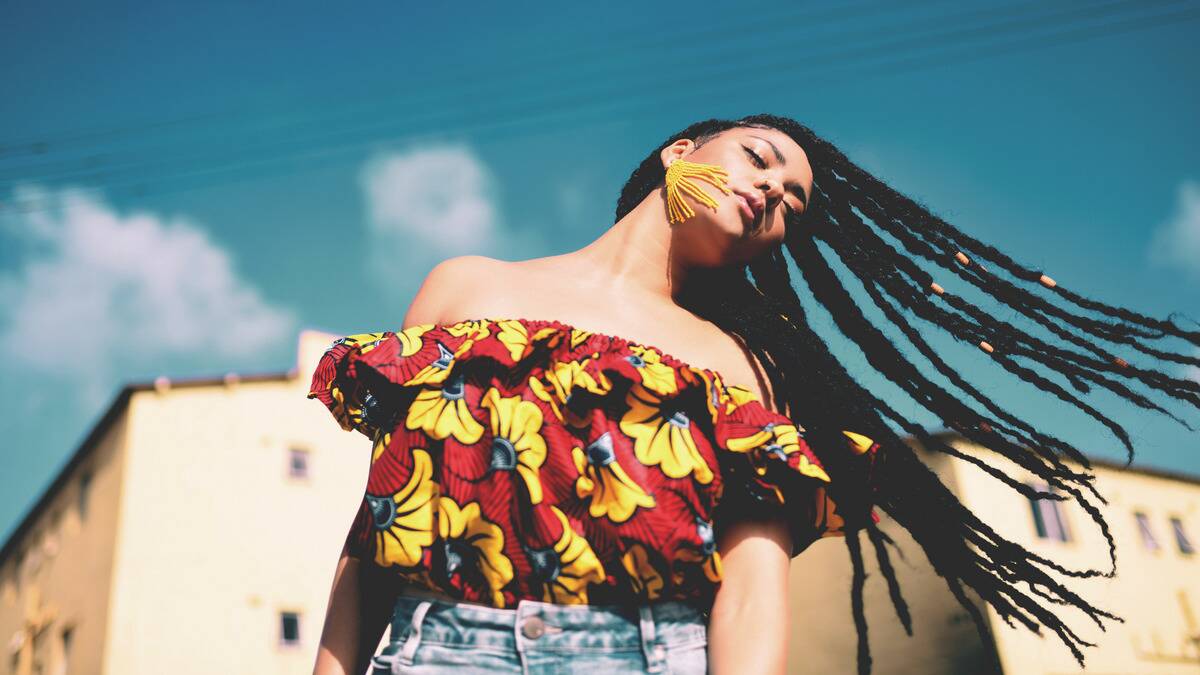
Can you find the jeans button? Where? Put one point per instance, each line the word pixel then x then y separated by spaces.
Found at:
pixel 533 628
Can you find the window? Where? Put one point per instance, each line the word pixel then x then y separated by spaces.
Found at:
pixel 289 628
pixel 85 486
pixel 1048 517
pixel 51 538
pixel 1181 538
pixel 67 634
pixel 298 462
pixel 1148 539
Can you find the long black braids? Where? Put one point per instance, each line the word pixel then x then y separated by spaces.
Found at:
pixel 856 217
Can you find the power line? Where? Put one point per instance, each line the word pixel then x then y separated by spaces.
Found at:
pixel 95 171
pixel 469 73
pixel 1063 37
pixel 481 85
pixel 538 114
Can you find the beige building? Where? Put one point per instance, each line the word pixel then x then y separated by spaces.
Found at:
pixel 197 527
pixel 1154 517
pixel 195 530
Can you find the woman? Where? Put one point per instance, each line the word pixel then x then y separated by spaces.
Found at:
pixel 619 482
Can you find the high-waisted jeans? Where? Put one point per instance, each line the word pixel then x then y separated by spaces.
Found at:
pixel 434 635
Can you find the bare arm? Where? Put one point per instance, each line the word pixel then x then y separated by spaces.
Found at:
pixel 748 628
pixel 361 599
pixel 359 610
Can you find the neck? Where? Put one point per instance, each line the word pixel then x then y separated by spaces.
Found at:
pixel 635 257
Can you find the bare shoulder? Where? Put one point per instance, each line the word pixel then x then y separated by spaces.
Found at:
pixel 449 286
pixel 739 366
pixel 476 287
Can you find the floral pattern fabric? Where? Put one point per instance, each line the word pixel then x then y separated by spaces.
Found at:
pixel 524 459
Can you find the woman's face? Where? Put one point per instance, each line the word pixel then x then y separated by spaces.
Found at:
pixel 769 178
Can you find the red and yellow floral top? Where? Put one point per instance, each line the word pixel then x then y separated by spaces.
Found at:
pixel 527 459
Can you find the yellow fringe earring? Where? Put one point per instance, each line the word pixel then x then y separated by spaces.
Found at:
pixel 679 180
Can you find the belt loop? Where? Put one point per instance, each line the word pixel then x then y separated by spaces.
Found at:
pixel 654 652
pixel 519 613
pixel 409 650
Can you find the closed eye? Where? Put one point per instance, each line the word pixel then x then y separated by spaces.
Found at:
pixel 762 164
pixel 757 159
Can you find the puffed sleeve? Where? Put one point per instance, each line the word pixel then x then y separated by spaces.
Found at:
pixel 368 380
pixel 771 471
pixel 384 385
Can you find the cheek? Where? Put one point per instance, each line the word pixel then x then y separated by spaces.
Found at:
pixel 722 225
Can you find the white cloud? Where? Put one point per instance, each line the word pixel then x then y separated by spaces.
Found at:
pixel 440 194
pixel 1176 243
pixel 100 292
pixel 426 204
pixel 429 203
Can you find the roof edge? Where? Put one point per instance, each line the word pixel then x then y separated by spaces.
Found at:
pixel 97 431
pixel 1112 465
pixel 118 406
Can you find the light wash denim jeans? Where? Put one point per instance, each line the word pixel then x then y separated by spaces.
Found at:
pixel 432 635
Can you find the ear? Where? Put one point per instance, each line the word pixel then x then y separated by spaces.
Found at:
pixel 679 149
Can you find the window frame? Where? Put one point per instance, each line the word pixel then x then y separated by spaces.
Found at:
pixel 293 452
pixel 84 493
pixel 1183 543
pixel 66 641
pixel 1149 540
pixel 299 639
pixel 1046 513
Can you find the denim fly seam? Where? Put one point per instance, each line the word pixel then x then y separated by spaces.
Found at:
pixel 535 635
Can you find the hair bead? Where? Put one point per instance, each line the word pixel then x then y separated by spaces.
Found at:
pixel 936 288
pixel 1047 281
pixel 962 258
pixel 985 427
pixel 985 347
pixel 1120 362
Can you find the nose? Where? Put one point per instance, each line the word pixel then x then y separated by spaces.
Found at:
pixel 772 190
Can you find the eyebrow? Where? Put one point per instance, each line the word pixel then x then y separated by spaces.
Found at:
pixel 794 188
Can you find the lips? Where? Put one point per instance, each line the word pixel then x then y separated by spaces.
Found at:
pixel 755 202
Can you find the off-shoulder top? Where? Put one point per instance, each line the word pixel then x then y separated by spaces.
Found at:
pixel 528 459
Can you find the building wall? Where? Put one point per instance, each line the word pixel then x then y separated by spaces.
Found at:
pixel 217 539
pixel 823 637
pixel 62 570
pixel 1157 592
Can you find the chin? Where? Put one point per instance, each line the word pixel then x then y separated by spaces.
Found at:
pixel 733 226
pixel 722 241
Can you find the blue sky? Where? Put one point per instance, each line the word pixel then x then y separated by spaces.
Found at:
pixel 183 188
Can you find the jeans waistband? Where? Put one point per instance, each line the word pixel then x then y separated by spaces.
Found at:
pixel 422 616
